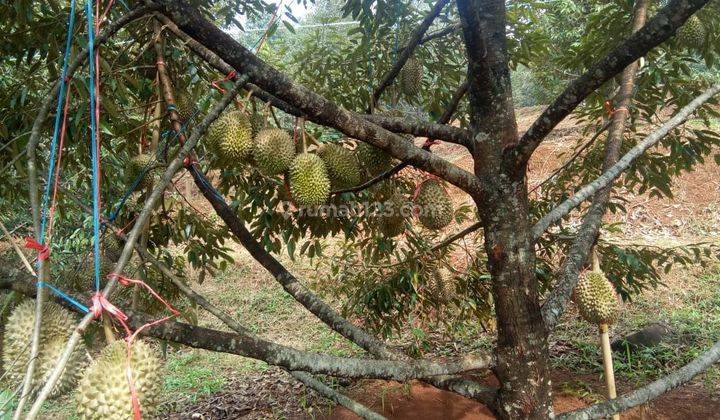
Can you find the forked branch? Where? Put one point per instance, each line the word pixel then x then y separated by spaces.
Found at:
pixel 654 33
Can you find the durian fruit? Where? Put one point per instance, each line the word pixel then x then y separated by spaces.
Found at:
pixel 374 160
pixel 411 76
pixel 596 298
pixel 85 276
pixel 392 216
pixel 112 248
pixel 274 151
pixel 104 391
pixel 231 137
pixel 185 107
pixel 309 181
pixel 57 326
pixel 342 166
pixel 692 33
pixel 438 283
pixel 143 169
pixel 435 209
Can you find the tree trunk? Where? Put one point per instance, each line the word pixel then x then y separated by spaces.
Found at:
pixel 522 347
pixel 522 350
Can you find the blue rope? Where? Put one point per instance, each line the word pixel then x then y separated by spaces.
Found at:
pixel 53 154
pixel 95 179
pixel 58 116
pixel 62 295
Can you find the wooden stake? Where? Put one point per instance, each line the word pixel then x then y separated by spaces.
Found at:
pixel 608 364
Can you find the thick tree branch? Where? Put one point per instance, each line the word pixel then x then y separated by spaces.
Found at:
pixel 438 131
pixel 406 52
pixel 317 108
pixel 623 163
pixel 649 391
pixel 397 125
pixel 587 234
pixel 315 305
pixel 659 29
pixel 254 347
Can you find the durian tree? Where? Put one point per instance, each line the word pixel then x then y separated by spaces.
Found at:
pixel 347 115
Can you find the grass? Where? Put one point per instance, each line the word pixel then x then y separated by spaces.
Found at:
pixel 193 375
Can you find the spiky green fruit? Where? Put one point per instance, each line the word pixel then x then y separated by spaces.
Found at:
pixel 274 151
pixel 104 391
pixel 143 169
pixel 596 298
pixel 185 107
pixel 112 248
pixel 411 77
pixel 392 215
pixel 692 33
pixel 435 209
pixel 309 181
pixel 231 136
pixel 374 160
pixel 342 166
pixel 437 285
pixel 57 327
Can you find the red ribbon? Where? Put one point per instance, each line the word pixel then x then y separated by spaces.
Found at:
pixel 100 304
pixel 230 76
pixel 43 250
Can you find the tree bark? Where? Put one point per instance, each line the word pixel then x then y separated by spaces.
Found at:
pixel 522 348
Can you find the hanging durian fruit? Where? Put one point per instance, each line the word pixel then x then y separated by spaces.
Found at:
pixel 309 182
pixel 596 298
pixel 411 76
pixel 342 166
pixel 692 33
pixel 274 151
pixel 392 216
pixel 104 391
pixel 374 160
pixel 143 169
pixel 185 107
pixel 57 326
pixel 231 137
pixel 435 209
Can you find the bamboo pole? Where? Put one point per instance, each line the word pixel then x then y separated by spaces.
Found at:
pixel 608 364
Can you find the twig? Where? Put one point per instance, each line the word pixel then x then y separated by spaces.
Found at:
pixel 17 249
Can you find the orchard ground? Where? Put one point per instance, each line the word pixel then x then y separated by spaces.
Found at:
pixel 213 386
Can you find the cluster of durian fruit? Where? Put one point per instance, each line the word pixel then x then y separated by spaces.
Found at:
pixel 103 390
pixel 237 138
